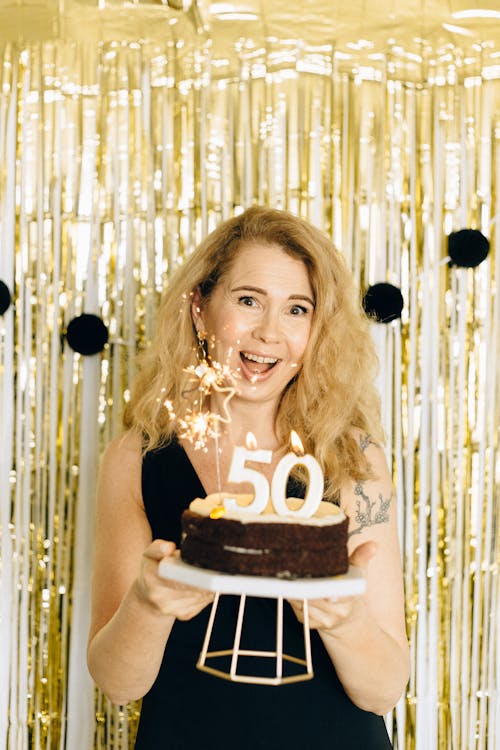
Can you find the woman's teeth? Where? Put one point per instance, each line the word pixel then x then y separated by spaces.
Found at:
pixel 258 365
pixel 261 360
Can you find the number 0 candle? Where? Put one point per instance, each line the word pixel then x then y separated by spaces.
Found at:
pixel 315 484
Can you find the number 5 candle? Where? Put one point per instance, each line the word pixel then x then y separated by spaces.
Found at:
pixel 240 473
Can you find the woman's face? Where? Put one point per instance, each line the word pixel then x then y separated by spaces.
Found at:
pixel 258 319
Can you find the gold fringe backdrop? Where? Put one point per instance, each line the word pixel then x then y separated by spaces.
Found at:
pixel 116 158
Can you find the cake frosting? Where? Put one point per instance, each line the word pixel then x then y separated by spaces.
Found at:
pixel 327 513
pixel 245 543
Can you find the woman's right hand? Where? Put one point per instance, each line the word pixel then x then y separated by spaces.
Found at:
pixel 165 596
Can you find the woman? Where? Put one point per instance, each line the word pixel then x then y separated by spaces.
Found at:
pixel 268 295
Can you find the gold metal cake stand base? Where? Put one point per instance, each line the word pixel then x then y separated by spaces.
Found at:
pixel 236 652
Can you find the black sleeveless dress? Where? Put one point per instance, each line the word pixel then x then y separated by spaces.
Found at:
pixel 188 709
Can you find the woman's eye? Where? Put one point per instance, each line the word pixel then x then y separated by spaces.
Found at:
pixel 248 301
pixel 298 310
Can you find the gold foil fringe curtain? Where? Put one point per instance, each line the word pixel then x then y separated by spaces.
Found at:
pixel 115 160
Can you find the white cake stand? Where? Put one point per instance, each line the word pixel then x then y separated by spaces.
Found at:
pixel 350 584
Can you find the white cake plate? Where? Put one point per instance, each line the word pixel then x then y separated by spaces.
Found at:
pixel 349 584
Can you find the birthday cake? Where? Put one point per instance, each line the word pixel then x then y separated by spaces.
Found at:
pixel 237 541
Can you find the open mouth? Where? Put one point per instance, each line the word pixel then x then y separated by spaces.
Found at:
pixel 256 364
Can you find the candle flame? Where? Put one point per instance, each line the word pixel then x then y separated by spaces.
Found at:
pixel 217 512
pixel 251 441
pixel 296 443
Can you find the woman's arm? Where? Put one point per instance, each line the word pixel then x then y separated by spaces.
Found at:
pixel 133 609
pixel 365 635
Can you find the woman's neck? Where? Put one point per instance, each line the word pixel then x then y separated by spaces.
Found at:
pixel 245 417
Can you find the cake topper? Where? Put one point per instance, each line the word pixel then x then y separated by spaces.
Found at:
pixel 239 472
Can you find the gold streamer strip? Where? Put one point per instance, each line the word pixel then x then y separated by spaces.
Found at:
pixel 116 160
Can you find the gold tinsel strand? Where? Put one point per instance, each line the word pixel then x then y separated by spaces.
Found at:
pixel 117 158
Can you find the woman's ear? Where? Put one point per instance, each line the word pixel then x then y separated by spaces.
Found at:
pixel 196 309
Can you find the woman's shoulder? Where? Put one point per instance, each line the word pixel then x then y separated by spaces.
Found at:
pixel 370 446
pixel 129 452
pixel 377 463
pixel 373 495
pixel 126 446
pixel 121 463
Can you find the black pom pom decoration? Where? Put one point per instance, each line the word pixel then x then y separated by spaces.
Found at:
pixel 87 334
pixel 5 298
pixel 467 248
pixel 383 302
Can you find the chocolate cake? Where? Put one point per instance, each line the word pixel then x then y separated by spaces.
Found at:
pixel 264 544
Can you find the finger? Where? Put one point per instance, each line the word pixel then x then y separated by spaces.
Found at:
pixel 193 611
pixel 338 608
pixel 362 555
pixel 195 590
pixel 159 549
pixel 326 603
pixel 298 606
pixel 190 602
pixel 185 588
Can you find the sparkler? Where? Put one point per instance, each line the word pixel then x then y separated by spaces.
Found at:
pixel 199 425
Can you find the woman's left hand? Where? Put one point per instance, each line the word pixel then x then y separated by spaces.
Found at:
pixel 328 613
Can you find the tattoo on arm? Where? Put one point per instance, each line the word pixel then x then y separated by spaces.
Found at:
pixel 365 441
pixel 370 513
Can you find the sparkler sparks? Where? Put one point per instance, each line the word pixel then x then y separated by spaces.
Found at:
pixel 199 425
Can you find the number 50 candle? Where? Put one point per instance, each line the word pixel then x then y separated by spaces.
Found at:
pixel 240 473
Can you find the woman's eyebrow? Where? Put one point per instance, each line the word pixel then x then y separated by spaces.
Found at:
pixel 246 288
pixel 259 290
pixel 302 296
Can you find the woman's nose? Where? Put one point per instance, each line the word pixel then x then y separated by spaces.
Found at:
pixel 268 328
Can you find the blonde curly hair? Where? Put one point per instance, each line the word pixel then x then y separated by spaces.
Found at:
pixel 332 401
